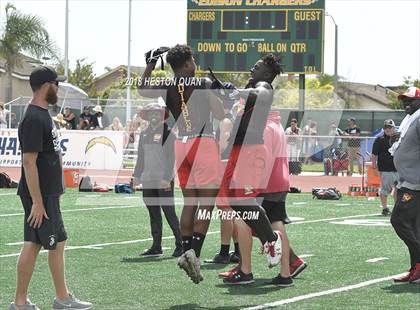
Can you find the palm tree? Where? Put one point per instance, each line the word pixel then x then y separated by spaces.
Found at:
pixel 23 33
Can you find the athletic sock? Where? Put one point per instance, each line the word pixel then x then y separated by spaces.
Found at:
pixel 237 248
pixel 224 249
pixel 197 243
pixel 186 243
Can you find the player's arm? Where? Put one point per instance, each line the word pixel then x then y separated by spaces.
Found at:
pixel 262 90
pixel 145 88
pixel 169 152
pixel 375 153
pixel 216 104
pixel 138 170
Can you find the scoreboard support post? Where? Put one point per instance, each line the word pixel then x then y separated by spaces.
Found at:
pixel 302 93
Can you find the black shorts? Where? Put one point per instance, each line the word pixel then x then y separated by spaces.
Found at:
pixel 274 205
pixel 51 231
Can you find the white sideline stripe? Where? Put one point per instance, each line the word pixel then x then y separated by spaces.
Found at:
pixel 102 245
pixel 77 210
pixel 375 260
pixel 7 194
pixel 322 293
pixel 306 255
pixel 336 218
pixel 299 203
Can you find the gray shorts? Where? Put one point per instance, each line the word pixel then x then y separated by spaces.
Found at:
pixel 389 180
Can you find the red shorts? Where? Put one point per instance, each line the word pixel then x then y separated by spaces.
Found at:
pixel 245 175
pixel 197 162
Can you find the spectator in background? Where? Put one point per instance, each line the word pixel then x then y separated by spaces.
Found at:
pixel 116 125
pixel 293 142
pixel 70 118
pixel 353 144
pixel 130 135
pixel 59 121
pixel 383 161
pixel 86 119
pixel 99 119
pixel 3 123
pixel 13 122
pixel 309 143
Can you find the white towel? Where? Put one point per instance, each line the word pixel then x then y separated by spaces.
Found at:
pixel 405 124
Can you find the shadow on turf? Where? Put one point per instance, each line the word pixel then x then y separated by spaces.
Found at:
pixel 145 259
pixel 209 266
pixel 402 288
pixel 198 307
pixel 259 287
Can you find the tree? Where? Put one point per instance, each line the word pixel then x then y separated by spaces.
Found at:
pixel 23 33
pixel 82 76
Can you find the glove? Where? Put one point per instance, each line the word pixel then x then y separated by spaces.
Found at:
pixel 229 86
pixel 154 55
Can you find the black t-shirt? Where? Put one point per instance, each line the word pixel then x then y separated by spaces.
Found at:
pixel 196 119
pixel 380 149
pixel 38 134
pixel 249 126
pixel 353 131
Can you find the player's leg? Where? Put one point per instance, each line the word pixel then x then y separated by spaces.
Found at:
pixel 56 264
pixel 187 216
pixel 387 182
pixel 406 209
pixel 168 207
pixel 25 267
pixel 151 200
pixel 243 275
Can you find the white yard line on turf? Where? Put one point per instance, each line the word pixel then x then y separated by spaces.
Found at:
pixel 375 260
pixel 306 255
pixel 171 237
pixel 322 293
pixel 78 210
pixel 102 245
pixel 7 194
pixel 336 218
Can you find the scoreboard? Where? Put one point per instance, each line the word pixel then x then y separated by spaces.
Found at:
pixel 231 35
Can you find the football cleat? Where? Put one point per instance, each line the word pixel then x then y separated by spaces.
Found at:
pixel 218 259
pixel 415 276
pixel 193 265
pixel 239 278
pixel 297 267
pixel 405 278
pixel 152 253
pixel 229 273
pixel 273 251
pixel 282 282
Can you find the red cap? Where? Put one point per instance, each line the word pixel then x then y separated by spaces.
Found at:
pixel 411 92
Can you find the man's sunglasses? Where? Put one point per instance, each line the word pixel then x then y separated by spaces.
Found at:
pixel 407 101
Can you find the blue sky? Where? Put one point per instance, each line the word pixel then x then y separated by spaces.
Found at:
pixel 378 39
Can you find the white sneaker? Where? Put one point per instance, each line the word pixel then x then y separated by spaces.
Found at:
pixel 71 303
pixel 273 251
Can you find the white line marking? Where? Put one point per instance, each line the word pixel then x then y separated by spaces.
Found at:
pixel 375 260
pixel 293 219
pixel 102 245
pixel 342 204
pixel 77 210
pixel 299 203
pixel 306 255
pixel 336 218
pixel 319 294
pixel 7 194
pixel 15 243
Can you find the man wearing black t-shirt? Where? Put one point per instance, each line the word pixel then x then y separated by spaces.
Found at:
pixel 384 163
pixel 40 188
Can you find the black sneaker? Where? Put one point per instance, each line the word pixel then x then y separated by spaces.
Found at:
pixel 239 278
pixel 177 252
pixel 234 258
pixel 283 282
pixel 386 212
pixel 218 259
pixel 152 253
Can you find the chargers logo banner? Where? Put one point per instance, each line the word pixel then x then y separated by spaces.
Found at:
pixel 101 150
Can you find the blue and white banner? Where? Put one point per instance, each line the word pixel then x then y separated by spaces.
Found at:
pixel 102 150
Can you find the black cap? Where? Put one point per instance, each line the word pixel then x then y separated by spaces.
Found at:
pixel 44 74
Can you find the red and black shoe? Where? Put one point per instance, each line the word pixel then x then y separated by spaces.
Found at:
pixel 297 267
pixel 239 278
pixel 405 278
pixel 415 276
pixel 229 273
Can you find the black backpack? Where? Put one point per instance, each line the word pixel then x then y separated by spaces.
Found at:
pixel 6 181
pixel 85 185
pixel 326 193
